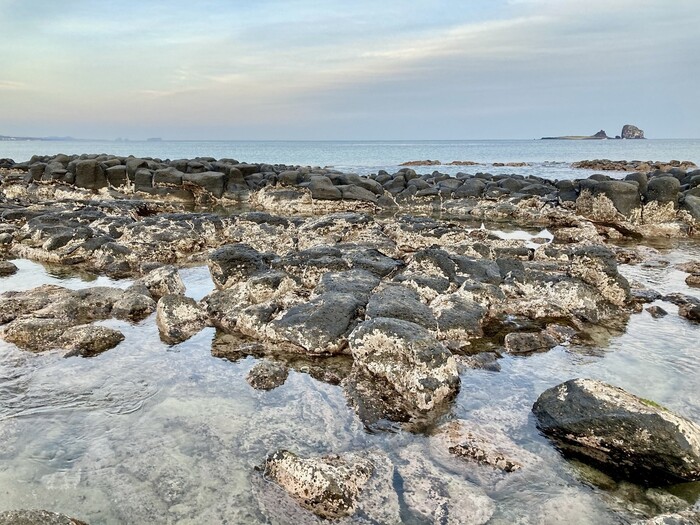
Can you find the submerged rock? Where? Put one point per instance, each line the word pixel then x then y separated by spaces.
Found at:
pixel 267 375
pixel 434 495
pixel 376 502
pixel 36 517
pixel 528 342
pixel 484 447
pixel 688 517
pixel 620 433
pixel 418 367
pixel 328 486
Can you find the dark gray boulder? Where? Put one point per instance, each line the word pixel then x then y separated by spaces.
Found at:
pixel 168 176
pixel 373 261
pixel 89 340
pixel 89 175
pixel 135 304
pixel 7 268
pixel 36 171
pixel 458 318
pixel 212 182
pixel 322 188
pixel 116 176
pixel 640 178
pixel 624 435
pixel 625 196
pixel 133 164
pixel 357 193
pixel 691 204
pixel 358 283
pixel 400 302
pixel 663 190
pixel 470 188
pixel 319 326
pixel 235 263
pixel 529 342
pixel 35 334
pixel 143 179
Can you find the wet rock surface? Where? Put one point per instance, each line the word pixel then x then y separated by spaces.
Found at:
pixel 329 486
pixel 178 318
pixel 267 375
pixel 421 370
pixel 36 517
pixel 620 433
pixel 7 268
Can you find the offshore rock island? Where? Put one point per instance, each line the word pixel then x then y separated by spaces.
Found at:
pixel 628 132
pixel 392 287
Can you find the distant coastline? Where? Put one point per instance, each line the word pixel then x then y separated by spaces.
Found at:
pixel 6 138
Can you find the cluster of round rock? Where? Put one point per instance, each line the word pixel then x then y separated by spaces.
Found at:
pixel 189 179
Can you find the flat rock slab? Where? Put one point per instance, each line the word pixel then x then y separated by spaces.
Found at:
pixel 401 302
pixel 622 434
pixel 89 340
pixel 319 326
pixel 235 263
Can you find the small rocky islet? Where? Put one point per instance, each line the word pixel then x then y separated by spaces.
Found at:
pixel 384 285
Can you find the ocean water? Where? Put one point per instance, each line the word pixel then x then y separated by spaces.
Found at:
pixel 547 158
pixel 152 433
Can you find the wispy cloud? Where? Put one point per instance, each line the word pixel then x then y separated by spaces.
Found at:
pixel 10 85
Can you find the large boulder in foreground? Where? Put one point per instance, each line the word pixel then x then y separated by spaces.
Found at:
pixel 409 358
pixel 620 433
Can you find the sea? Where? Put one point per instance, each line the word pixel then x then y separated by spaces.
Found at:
pixel 550 159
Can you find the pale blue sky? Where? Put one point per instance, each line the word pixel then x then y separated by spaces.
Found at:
pixel 333 69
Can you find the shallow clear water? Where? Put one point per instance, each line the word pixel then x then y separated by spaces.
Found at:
pixel 151 433
pixel 549 159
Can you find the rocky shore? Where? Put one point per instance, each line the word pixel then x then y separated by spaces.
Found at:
pixel 389 286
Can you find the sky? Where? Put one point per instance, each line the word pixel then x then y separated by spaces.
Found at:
pixel 348 70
